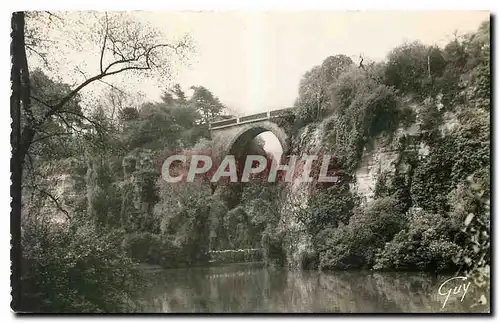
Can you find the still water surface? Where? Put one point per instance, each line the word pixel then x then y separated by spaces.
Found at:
pixel 254 288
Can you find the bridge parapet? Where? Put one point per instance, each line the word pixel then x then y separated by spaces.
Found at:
pixel 253 117
pixel 280 112
pixel 248 119
pixel 223 123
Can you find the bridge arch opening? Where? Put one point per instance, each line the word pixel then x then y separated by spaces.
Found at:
pixel 270 143
pixel 273 138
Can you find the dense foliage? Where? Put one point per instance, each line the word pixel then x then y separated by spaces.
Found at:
pixel 73 268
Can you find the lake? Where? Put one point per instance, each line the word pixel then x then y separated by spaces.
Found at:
pixel 253 288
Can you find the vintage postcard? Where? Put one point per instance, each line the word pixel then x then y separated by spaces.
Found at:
pixel 251 161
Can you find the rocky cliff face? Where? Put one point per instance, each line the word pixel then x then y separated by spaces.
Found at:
pixel 297 242
pixel 382 156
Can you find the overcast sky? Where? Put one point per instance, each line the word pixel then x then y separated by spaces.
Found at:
pixel 253 61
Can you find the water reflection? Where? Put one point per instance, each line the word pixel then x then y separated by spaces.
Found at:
pixel 257 289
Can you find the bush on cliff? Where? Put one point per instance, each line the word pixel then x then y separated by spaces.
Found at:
pixel 427 244
pixel 354 245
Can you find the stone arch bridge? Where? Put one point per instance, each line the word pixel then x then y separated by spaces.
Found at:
pixel 231 135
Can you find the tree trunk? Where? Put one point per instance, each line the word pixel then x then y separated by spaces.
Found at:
pixel 17 48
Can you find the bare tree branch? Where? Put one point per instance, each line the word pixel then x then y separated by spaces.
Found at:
pixel 122 61
pixel 41 55
pixel 52 15
pixel 78 69
pixel 56 202
pixel 114 87
pixel 41 102
pixel 104 43
pixel 80 115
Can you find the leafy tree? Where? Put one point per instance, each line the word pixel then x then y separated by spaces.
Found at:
pixel 408 68
pixel 129 114
pixel 206 103
pixel 313 97
pixel 174 96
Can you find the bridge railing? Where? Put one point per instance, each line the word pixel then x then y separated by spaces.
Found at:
pixel 223 123
pixel 262 115
pixel 250 118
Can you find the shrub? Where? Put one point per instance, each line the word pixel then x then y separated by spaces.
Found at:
pixel 154 249
pixel 427 244
pixel 329 208
pixel 471 210
pixel 73 268
pixel 451 159
pixel 354 245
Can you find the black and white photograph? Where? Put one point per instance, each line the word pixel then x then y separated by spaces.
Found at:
pixel 250 161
